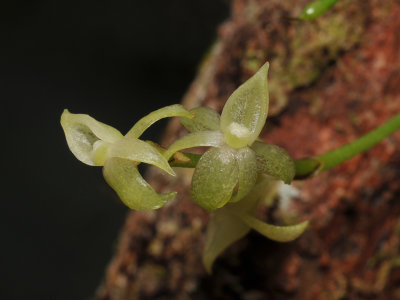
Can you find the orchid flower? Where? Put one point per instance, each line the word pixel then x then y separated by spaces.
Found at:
pixel 97 144
pixel 228 170
pixel 225 179
pixel 230 179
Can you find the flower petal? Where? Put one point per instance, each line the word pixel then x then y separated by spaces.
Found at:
pixel 245 112
pixel 175 110
pixel 123 176
pixel 214 178
pixel 273 232
pixel 274 161
pixel 205 118
pixel 247 164
pixel 139 151
pixel 82 132
pixel 195 139
pixel 225 227
pixel 223 230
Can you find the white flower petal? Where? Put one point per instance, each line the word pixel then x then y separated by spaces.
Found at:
pixel 82 132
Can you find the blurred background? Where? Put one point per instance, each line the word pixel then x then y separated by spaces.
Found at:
pixel 116 61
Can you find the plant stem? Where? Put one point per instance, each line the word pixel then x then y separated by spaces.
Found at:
pixel 314 165
pixel 309 167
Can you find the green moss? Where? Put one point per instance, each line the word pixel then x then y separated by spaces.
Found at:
pixel 312 46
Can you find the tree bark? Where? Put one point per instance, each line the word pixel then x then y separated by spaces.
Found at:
pixel 331 80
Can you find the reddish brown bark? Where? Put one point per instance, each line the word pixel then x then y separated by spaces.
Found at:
pixel 331 81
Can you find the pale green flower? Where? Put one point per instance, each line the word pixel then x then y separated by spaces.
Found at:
pixel 228 170
pixel 225 177
pixel 230 179
pixel 97 144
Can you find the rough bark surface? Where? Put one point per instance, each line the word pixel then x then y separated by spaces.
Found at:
pixel 331 81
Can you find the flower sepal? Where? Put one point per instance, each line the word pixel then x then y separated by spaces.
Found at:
pixel 274 161
pixel 233 221
pixel 97 144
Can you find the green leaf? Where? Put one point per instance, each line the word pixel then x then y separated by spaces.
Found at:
pixel 175 110
pixel 195 139
pixel 274 161
pixel 276 233
pixel 245 112
pixel 214 178
pixel 123 176
pixel 222 231
pixel 139 151
pixel 247 164
pixel 82 132
pixel 205 118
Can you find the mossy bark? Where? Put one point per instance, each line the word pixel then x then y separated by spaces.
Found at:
pixel 331 80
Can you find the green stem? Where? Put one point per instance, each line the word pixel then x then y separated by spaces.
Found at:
pixel 314 165
pixel 309 167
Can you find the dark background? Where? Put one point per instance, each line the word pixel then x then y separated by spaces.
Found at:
pixel 114 60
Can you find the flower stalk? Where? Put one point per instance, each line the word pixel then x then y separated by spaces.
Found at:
pixel 312 166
